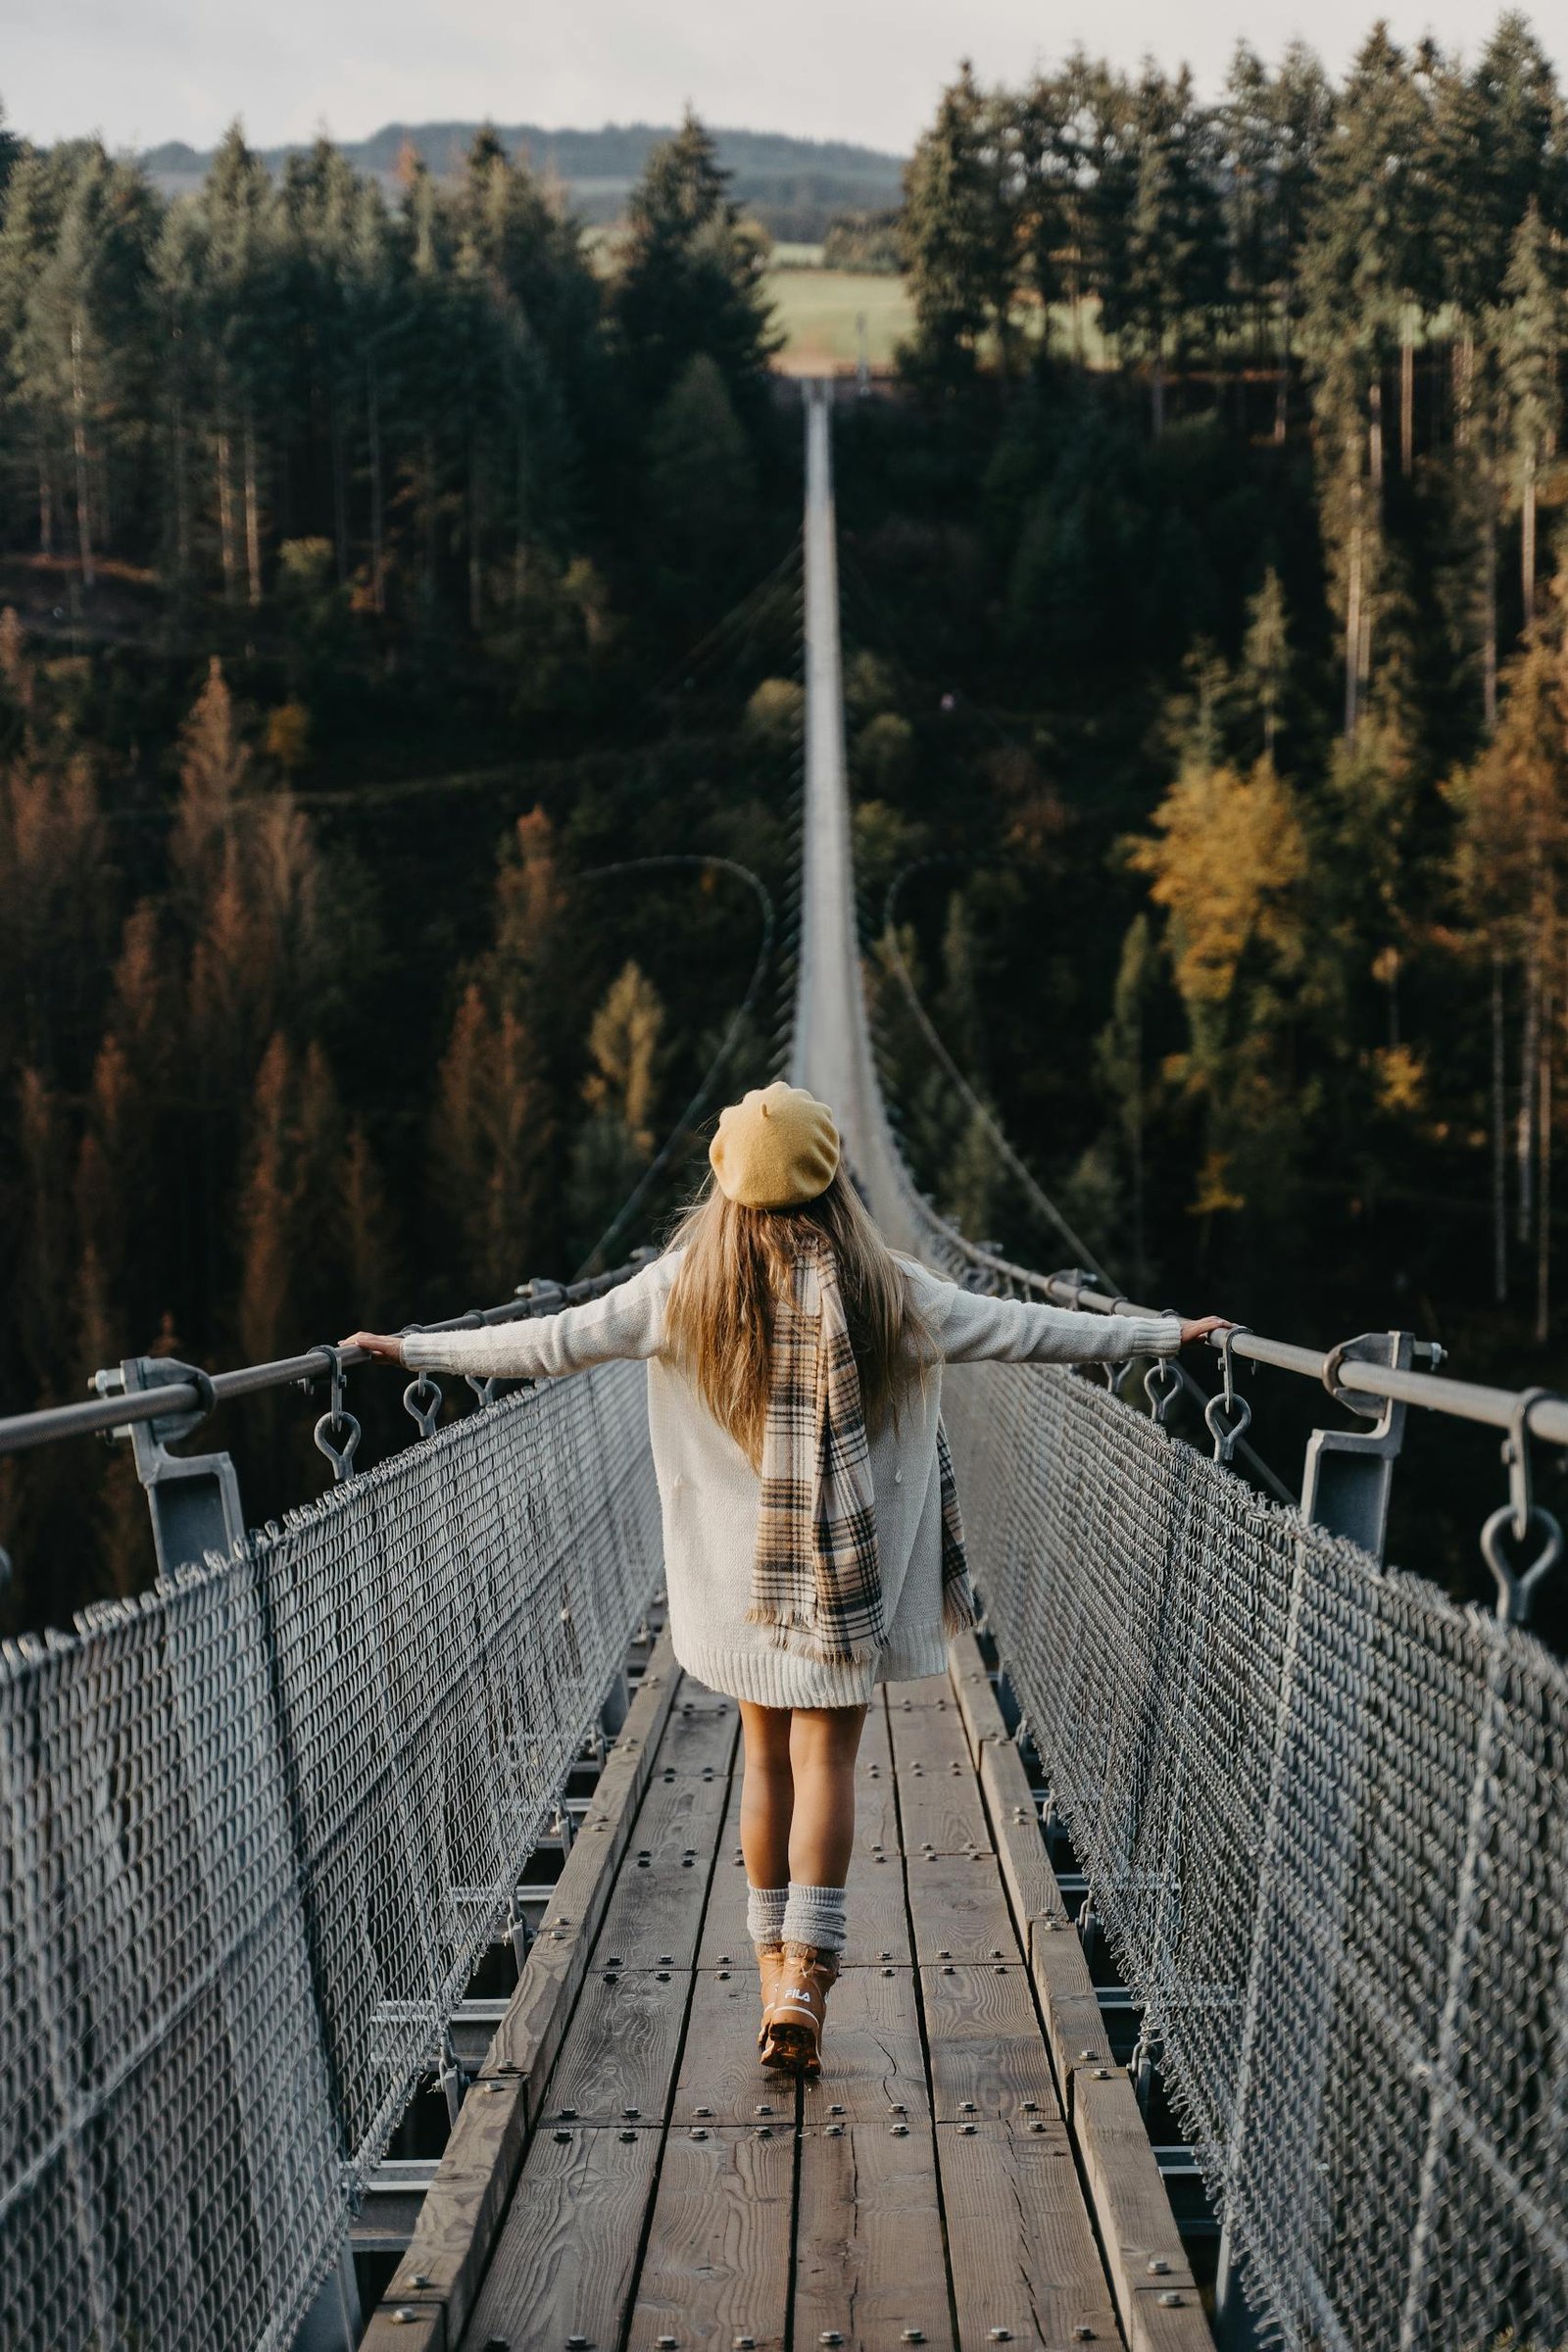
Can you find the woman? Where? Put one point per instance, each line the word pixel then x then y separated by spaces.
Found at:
pixel 810 1529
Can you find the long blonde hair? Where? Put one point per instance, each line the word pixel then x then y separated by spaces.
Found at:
pixel 736 1262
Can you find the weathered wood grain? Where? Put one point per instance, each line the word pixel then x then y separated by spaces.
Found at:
pixel 566 2256
pixel 958 1907
pixel 874 2060
pixel 987 2054
pixel 973 1692
pixel 618 2061
pixel 868 2252
pixel 717 2264
pixel 1074 2024
pixel 930 1690
pixel 654 1915
pixel 1022 2252
pixel 939 1809
pixel 721 2078
pixel 1132 2208
pixel 1026 1870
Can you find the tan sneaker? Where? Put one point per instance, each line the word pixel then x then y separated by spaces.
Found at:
pixel 794 2018
pixel 770 1960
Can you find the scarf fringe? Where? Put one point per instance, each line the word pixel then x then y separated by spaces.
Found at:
pixel 800 1636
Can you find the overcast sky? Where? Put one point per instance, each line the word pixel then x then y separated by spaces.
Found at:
pixel 139 72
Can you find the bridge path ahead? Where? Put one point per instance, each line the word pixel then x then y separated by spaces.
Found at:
pixel 625 2173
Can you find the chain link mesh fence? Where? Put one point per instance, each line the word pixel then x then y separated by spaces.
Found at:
pixel 262 1825
pixel 1324 1819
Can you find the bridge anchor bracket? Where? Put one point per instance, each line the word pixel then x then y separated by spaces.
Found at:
pixel 1349 1472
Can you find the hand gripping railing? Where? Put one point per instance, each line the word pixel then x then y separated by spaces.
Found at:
pixel 261 1823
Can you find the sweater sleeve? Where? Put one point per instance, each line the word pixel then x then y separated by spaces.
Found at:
pixel 626 1322
pixel 970 1329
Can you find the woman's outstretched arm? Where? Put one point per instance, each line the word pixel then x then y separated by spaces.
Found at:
pixel 969 1328
pixel 627 1321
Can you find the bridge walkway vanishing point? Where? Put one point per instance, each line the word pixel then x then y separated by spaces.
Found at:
pixel 968 2168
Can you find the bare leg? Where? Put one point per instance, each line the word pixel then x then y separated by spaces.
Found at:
pixel 768 1794
pixel 822 1745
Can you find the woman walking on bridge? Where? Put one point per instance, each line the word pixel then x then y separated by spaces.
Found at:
pixel 812 1545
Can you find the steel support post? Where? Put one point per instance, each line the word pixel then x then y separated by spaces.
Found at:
pixel 193 1497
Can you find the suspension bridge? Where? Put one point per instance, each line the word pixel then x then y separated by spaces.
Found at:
pixel 374 1948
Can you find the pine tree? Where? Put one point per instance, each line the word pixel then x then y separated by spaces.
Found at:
pixel 960 235
pixel 702 482
pixel 1529 332
pixel 690 277
pixel 1170 271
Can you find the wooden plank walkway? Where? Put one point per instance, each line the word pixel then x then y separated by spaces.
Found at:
pixel 970 2168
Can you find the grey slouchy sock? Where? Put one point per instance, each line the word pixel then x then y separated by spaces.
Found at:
pixel 816 1915
pixel 765 1913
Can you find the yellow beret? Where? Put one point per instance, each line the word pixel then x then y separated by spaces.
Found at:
pixel 775 1148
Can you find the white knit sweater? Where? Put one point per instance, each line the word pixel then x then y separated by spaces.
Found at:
pixel 708 1491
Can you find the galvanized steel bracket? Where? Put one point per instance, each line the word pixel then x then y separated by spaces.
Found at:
pixel 193 1497
pixel 1349 1472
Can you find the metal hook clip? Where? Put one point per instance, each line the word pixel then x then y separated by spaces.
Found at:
pixel 336 1417
pixel 1227 1415
pixel 1518 1516
pixel 1162 1382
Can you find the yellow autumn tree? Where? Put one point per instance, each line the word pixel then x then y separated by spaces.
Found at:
pixel 1228 861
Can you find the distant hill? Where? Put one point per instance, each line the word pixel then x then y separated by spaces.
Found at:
pixel 794 186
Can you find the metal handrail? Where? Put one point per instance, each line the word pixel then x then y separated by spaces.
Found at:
pixel 1464 1399
pixel 117 1410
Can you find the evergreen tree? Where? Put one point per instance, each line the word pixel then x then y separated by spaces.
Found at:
pixel 1166 277
pixel 690 277
pixel 1529 332
pixel 959 237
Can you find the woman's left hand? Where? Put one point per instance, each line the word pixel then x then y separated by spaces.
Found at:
pixel 1203 1327
pixel 384 1344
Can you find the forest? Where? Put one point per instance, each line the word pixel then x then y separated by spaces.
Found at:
pixel 400 711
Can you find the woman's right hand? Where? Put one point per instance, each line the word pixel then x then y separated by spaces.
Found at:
pixel 1203 1327
pixel 384 1344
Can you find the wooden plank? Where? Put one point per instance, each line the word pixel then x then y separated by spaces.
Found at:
pixel 699 1736
pixel 930 1690
pixel 717 2264
pixel 654 1914
pixel 1026 1872
pixel 725 1941
pixel 874 2060
pixel 566 2257
pixel 987 2054
pixel 939 1798
pixel 1022 2252
pixel 878 1921
pixel 1075 2026
pixel 869 2257
pixel 1132 2209
pixel 413 2320
pixel 462 2208
pixel 876 1819
pixel 619 2058
pixel 973 1689
pixel 959 1909
pixel 721 2078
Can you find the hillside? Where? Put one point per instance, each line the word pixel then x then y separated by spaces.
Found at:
pixel 794 186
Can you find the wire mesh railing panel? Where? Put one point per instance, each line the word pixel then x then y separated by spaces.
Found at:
pixel 1324 1819
pixel 262 1823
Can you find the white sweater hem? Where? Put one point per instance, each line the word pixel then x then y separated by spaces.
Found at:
pixel 779 1677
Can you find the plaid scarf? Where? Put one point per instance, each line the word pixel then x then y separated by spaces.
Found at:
pixel 816 1573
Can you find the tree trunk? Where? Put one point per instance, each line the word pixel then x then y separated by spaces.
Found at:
pixel 78 443
pixel 1407 396
pixel 181 503
pixel 340 498
pixel 1488 609
pixel 1374 434
pixel 1282 390
pixel 1544 1150
pixel 226 513
pixel 372 419
pixel 1353 617
pixel 46 507
pixel 253 518
pixel 1465 354
pixel 1156 397
pixel 1527 544
pixel 475 579
pixel 1529 1048
pixel 520 554
pixel 1499 1146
